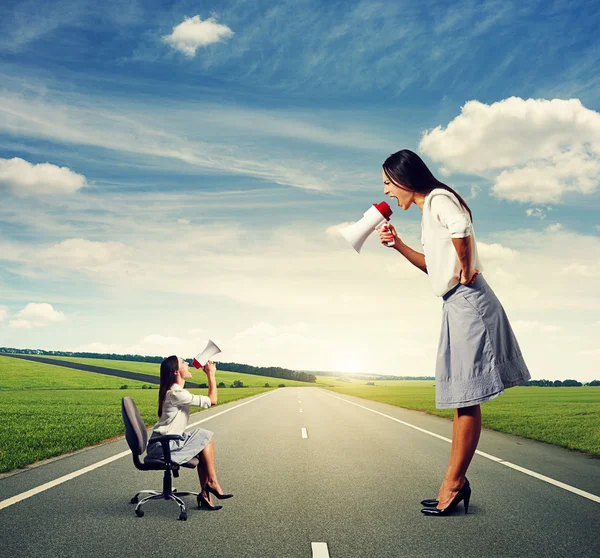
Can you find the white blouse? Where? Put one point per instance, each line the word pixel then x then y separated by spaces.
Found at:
pixel 176 410
pixel 444 218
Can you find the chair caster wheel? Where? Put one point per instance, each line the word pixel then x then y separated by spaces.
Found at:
pixel 134 500
pixel 183 516
pixel 139 513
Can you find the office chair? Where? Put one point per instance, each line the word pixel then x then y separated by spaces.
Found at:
pixel 137 439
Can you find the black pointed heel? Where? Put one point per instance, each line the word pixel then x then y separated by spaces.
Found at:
pixel 430 503
pixel 433 503
pixel 463 495
pixel 204 504
pixel 219 495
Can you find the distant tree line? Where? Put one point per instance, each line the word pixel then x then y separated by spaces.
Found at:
pixel 271 371
pixel 558 383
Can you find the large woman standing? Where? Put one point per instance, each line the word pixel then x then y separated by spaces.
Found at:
pixel 478 354
pixel 174 413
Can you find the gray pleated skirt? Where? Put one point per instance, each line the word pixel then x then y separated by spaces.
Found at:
pixel 182 450
pixel 478 354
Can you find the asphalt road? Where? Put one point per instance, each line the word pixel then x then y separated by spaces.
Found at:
pixel 354 483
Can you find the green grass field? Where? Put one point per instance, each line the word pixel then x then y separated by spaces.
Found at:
pixel 199 377
pixel 27 375
pixel 57 410
pixel 564 416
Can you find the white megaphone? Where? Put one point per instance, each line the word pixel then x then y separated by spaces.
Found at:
pixel 375 217
pixel 202 358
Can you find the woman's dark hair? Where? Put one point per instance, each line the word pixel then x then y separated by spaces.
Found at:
pixel 408 171
pixel 168 367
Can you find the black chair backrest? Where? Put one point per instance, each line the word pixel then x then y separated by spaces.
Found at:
pixel 135 429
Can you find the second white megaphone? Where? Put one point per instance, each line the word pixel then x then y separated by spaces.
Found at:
pixel 202 358
pixel 375 217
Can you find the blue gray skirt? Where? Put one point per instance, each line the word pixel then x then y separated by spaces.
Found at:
pixel 478 354
pixel 181 450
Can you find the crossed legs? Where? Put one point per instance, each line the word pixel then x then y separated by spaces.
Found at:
pixel 466 429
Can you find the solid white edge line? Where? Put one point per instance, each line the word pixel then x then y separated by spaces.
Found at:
pixel 304 433
pixel 319 550
pixel 539 476
pixel 32 492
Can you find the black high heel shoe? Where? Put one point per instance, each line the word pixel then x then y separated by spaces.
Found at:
pixel 434 503
pixel 203 503
pixel 463 495
pixel 219 495
pixel 430 503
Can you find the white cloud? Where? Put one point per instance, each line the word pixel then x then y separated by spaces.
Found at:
pixel 490 253
pixel 536 150
pixel 26 179
pixel 193 33
pixel 536 212
pixel 557 227
pixel 3 312
pixel 87 255
pixel 37 315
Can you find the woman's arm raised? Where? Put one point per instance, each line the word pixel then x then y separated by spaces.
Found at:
pixel 210 369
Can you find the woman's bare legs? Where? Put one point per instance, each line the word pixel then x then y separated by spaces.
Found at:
pixel 466 429
pixel 206 470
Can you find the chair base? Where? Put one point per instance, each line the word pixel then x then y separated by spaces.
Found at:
pixel 153 495
pixel 168 493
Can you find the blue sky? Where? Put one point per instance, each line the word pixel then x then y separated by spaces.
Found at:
pixel 174 171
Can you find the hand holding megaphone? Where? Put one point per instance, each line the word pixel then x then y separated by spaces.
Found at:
pixel 388 235
pixel 209 368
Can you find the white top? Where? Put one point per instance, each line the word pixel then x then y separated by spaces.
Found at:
pixel 444 218
pixel 176 410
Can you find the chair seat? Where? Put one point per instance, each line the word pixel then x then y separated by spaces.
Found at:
pixel 159 464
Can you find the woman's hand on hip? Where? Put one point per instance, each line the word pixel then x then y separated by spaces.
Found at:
pixel 473 275
pixel 387 233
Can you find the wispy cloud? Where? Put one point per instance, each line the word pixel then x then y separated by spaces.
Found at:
pixel 201 139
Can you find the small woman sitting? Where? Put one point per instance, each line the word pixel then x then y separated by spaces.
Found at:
pixel 174 413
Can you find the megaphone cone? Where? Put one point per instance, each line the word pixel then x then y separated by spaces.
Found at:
pixel 202 358
pixel 375 217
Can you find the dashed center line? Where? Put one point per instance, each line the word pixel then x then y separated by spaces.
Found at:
pixel 319 550
pixel 304 433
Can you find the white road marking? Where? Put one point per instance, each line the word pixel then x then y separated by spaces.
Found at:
pixel 539 476
pixel 304 433
pixel 319 550
pixel 74 474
